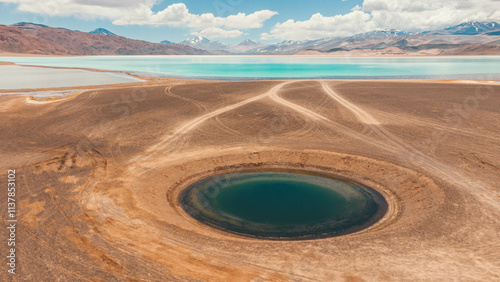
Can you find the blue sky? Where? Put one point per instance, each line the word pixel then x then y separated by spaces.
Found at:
pixel 232 21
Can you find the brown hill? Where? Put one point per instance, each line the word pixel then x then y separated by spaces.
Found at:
pixel 39 39
pixel 474 49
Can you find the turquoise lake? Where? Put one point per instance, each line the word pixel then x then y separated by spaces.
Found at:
pixel 234 68
pixel 282 205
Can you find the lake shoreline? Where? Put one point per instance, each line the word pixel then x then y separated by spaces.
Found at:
pixel 149 79
pixel 279 67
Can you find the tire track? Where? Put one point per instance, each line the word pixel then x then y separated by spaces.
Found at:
pixel 409 154
pixel 194 123
pixel 199 105
pixel 305 112
pixel 227 128
pixel 324 121
pixel 450 128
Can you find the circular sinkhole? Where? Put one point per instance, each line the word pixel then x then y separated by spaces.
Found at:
pixel 286 206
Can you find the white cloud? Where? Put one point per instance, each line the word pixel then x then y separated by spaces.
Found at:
pixel 179 15
pixel 388 14
pixel 357 8
pixel 215 32
pixel 85 8
pixel 319 26
pixel 139 12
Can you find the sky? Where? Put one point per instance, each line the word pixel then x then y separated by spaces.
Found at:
pixel 232 21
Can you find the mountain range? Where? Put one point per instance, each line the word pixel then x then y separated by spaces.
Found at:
pixel 469 38
pixel 381 33
pixel 470 28
pixel 218 47
pixel 29 38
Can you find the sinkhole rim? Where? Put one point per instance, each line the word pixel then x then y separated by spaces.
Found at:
pixel 381 198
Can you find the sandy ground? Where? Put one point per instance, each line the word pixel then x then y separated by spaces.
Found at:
pixel 99 175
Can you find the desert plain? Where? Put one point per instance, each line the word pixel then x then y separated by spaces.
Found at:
pixel 99 175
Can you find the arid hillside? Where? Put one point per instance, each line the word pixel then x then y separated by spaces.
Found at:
pixel 39 39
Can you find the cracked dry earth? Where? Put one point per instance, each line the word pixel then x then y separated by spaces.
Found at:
pixel 100 173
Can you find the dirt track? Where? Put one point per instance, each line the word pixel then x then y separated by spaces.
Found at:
pixel 99 176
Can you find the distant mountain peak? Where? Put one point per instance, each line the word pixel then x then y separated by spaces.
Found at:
pixel 102 31
pixel 250 43
pixel 204 43
pixel 200 39
pixel 195 41
pixel 166 42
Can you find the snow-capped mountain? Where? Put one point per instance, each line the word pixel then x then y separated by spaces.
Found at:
pixel 381 33
pixel 102 31
pixel 218 47
pixel 390 38
pixel 204 43
pixel 245 45
pixel 286 47
pixel 250 43
pixel 470 28
pixel 451 38
pixel 198 40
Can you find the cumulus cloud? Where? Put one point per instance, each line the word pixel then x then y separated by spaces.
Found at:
pixel 215 32
pixel 388 14
pixel 319 26
pixel 179 15
pixel 139 12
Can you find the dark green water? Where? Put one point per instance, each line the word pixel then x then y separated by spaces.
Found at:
pixel 283 205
